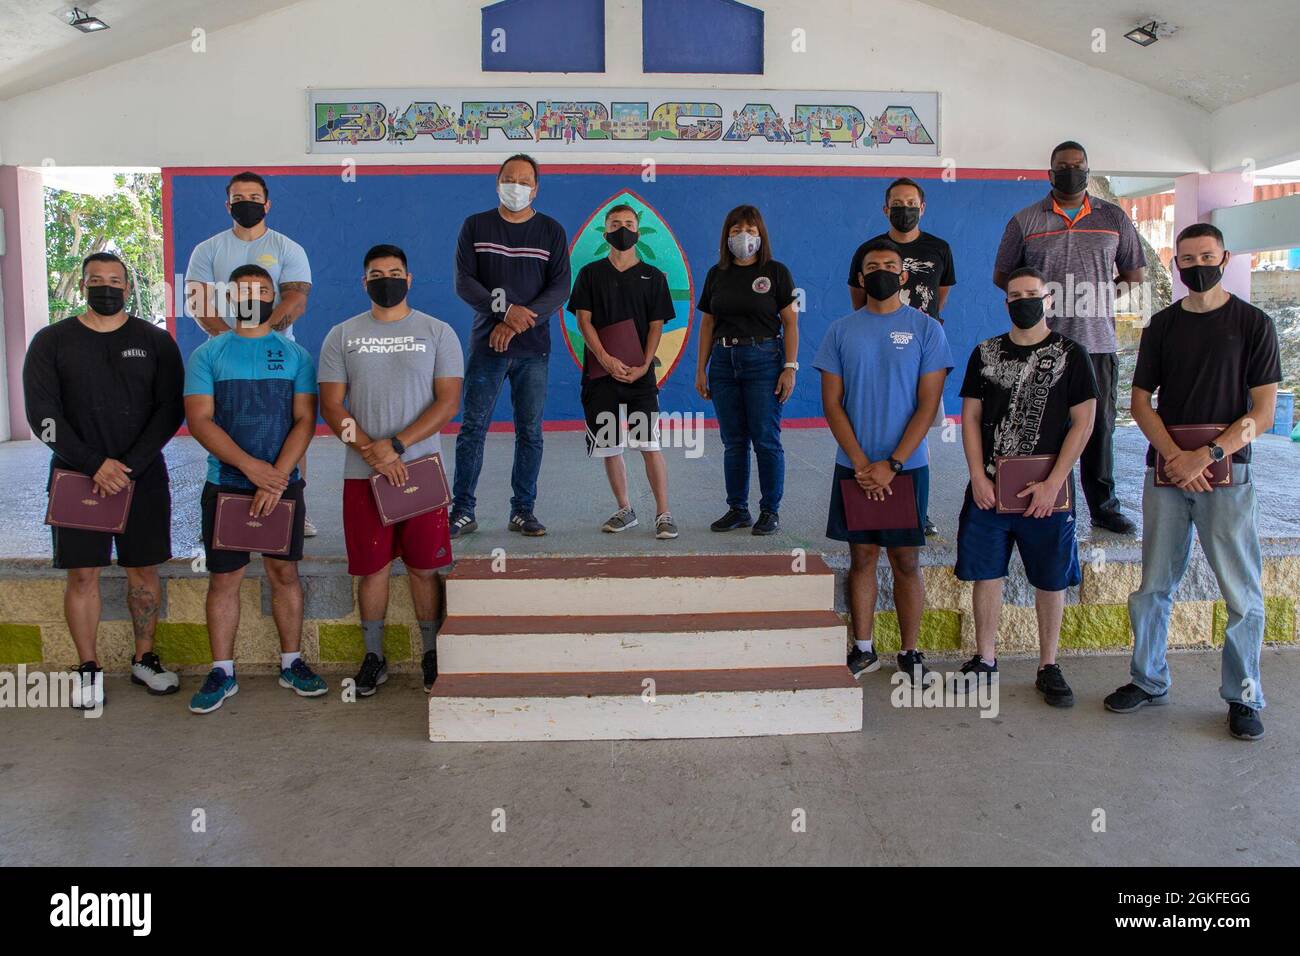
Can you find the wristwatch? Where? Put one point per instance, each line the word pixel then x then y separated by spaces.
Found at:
pixel 792 365
pixel 895 464
pixel 397 445
pixel 1216 453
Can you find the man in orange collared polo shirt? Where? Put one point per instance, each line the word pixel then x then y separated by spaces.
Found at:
pixel 1082 245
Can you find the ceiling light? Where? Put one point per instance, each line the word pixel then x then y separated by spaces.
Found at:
pixel 84 22
pixel 1144 34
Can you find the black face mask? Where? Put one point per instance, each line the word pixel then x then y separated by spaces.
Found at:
pixel 622 238
pixel 247 213
pixel 881 284
pixel 904 218
pixel 1026 313
pixel 105 299
pixel 1201 278
pixel 254 310
pixel 386 291
pixel 1070 180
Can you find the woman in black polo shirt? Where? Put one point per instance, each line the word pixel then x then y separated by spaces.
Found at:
pixel 749 342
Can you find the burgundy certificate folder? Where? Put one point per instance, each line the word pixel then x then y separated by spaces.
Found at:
pixel 236 530
pixel 425 490
pixel 1014 474
pixel 622 341
pixel 1188 437
pixel 896 512
pixel 74 503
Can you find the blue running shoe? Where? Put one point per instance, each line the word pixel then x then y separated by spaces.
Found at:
pixel 302 680
pixel 216 688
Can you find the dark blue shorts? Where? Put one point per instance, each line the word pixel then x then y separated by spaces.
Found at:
pixel 1047 546
pixel 838 530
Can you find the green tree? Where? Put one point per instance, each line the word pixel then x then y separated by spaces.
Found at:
pixel 128 222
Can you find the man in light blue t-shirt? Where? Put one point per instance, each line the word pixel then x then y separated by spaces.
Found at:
pixel 249 242
pixel 883 369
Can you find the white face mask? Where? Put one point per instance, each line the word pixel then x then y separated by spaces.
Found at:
pixel 743 244
pixel 514 196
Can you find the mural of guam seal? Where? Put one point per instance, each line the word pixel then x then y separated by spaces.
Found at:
pixel 762 284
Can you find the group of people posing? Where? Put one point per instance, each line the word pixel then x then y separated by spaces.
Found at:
pixel 107 391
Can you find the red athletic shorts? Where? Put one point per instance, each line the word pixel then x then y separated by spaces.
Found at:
pixel 422 542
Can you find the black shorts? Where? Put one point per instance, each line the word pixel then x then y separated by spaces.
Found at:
pixel 837 528
pixel 223 562
pixel 144 542
pixel 619 417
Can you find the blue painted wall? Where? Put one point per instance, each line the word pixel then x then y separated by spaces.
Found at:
pixel 701 36
pixel 816 222
pixel 545 36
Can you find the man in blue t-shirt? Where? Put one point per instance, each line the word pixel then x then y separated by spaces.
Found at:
pixel 250 400
pixel 883 368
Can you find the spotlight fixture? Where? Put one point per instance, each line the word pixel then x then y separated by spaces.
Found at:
pixel 84 22
pixel 1144 34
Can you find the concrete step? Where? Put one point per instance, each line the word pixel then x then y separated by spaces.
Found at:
pixel 645 705
pixel 643 642
pixel 677 584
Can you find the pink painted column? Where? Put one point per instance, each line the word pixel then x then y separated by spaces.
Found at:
pixel 1196 195
pixel 23 281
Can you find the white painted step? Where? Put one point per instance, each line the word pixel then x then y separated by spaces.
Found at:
pixel 568 644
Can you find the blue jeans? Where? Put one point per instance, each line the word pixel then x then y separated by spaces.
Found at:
pixel 485 373
pixel 1226 521
pixel 742 381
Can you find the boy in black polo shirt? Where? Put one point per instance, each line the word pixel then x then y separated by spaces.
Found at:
pixel 622 405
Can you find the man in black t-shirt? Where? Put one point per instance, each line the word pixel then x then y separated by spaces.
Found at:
pixel 622 304
pixel 1028 392
pixel 927 260
pixel 1209 359
pixel 103 391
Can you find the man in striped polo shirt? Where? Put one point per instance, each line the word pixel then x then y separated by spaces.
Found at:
pixel 1081 244
pixel 512 269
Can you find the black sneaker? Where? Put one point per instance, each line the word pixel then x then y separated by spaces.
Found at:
pixel 912 663
pixel 733 519
pixel 1114 522
pixel 769 522
pixel 1051 684
pixel 462 525
pixel 527 525
pixel 973 673
pixel 87 686
pixel 429 664
pixel 1130 697
pixel 1244 722
pixel 374 671
pixel 930 529
pixel 863 662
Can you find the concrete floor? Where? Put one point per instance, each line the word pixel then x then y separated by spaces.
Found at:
pixel 290 781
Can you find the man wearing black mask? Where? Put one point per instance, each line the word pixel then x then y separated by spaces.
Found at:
pixel 103 391
pixel 927 261
pixel 1081 244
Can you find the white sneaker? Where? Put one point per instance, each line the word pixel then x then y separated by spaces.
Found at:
pixel 88 687
pixel 308 529
pixel 149 672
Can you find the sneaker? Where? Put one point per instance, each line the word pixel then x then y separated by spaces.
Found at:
pixel 1114 522
pixel 768 523
pixel 1130 697
pixel 462 524
pixel 216 688
pixel 1244 722
pixel 863 662
pixel 429 665
pixel 665 527
pixel 974 673
pixel 620 520
pixel 527 525
pixel 308 529
pixel 1051 684
pixel 733 519
pixel 930 529
pixel 88 686
pixel 149 673
pixel 302 680
pixel 374 671
pixel 912 663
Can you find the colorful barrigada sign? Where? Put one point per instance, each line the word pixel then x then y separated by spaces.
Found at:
pixel 781 122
